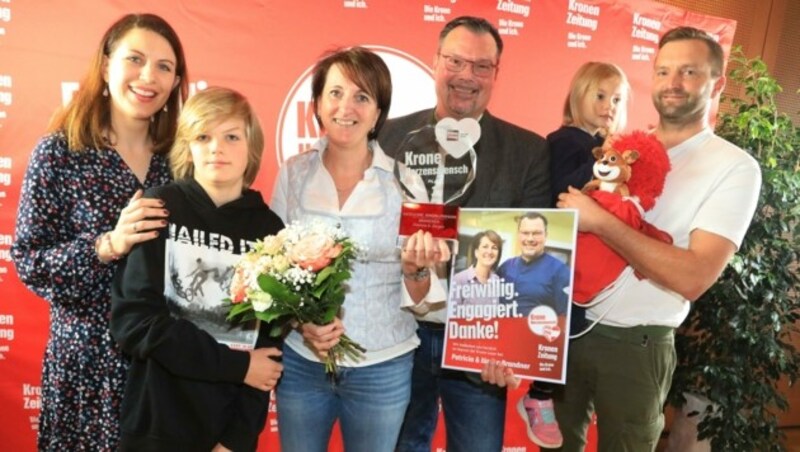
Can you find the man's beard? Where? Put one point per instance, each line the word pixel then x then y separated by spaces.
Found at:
pixel 689 109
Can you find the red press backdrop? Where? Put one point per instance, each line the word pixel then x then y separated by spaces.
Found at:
pixel 265 49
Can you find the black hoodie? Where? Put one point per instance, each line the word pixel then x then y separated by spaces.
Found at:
pixel 185 390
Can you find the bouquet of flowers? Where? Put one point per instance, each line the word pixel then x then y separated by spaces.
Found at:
pixel 298 276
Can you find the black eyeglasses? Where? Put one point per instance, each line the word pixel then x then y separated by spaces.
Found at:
pixel 480 68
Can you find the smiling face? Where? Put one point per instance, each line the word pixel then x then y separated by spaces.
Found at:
pixel 683 84
pixel 346 111
pixel 600 105
pixel 219 155
pixel 140 73
pixel 462 94
pixel 486 253
pixel 532 235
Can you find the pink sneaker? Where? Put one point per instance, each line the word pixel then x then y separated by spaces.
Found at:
pixel 540 421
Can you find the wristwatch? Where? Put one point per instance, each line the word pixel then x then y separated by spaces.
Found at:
pixel 419 275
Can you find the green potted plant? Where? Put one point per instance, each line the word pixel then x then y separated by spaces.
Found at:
pixel 736 344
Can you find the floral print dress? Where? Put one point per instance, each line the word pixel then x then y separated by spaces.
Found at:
pixel 68 199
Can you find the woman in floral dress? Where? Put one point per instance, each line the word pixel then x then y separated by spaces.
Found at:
pixel 81 210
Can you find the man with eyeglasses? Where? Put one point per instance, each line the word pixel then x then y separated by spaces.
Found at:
pixel 512 170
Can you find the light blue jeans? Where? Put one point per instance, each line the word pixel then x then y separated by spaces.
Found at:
pixel 368 401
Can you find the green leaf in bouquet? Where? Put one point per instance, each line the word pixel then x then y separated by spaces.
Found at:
pixel 276 330
pixel 339 278
pixel 247 316
pixel 239 309
pixel 336 297
pixel 269 316
pixel 323 275
pixel 331 284
pixel 277 289
pixel 330 312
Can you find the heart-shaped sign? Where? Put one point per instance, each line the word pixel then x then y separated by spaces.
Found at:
pixel 551 332
pixel 457 137
pixel 543 321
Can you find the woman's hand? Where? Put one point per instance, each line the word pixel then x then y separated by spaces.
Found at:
pixel 322 337
pixel 421 253
pixel 138 222
pixel 498 374
pixel 263 372
pixel 422 250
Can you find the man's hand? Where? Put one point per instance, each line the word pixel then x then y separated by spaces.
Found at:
pixel 590 215
pixel 687 271
pixel 498 374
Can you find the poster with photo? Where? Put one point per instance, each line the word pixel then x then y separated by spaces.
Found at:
pixel 510 291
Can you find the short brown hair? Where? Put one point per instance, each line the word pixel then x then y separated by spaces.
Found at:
pixel 204 110
pixel 532 216
pixel 717 56
pixel 493 237
pixel 366 69
pixel 477 25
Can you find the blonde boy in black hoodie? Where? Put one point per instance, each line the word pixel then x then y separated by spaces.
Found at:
pixel 197 382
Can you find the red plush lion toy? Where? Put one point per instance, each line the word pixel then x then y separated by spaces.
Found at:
pixel 629 176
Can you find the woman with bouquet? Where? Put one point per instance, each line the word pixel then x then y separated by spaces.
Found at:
pixel 347 179
pixel 193 384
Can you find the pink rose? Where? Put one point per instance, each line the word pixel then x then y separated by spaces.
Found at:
pixel 314 252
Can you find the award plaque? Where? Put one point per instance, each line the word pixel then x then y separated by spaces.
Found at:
pixel 444 159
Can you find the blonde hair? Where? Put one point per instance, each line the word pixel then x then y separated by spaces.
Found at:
pixel 585 82
pixel 202 111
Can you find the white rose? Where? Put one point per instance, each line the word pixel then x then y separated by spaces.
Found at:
pixel 261 301
pixel 272 245
pixel 280 263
